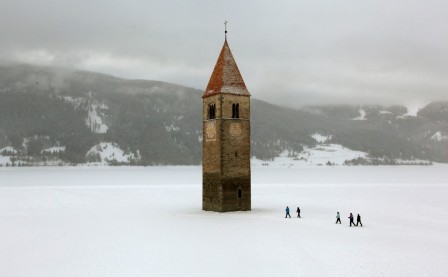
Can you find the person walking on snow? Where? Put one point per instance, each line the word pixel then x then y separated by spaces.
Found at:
pixel 358 220
pixel 338 218
pixel 351 220
pixel 287 212
pixel 298 212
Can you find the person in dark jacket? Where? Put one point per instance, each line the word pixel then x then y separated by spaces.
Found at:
pixel 287 212
pixel 298 212
pixel 338 218
pixel 351 220
pixel 358 220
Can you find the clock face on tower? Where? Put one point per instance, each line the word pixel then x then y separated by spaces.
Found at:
pixel 235 129
pixel 210 131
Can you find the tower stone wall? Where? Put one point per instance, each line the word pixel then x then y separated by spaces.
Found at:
pixel 226 139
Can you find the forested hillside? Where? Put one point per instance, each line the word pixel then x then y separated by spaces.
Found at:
pixel 56 116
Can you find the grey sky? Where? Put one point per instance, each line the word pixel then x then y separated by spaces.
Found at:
pixel 293 53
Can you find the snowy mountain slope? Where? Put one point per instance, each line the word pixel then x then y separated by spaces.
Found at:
pixel 321 138
pixel 439 136
pixel 94 120
pixel 110 153
pixel 323 154
pixel 41 108
pixel 362 115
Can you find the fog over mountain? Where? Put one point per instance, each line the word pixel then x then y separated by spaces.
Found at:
pixel 55 116
pixel 291 53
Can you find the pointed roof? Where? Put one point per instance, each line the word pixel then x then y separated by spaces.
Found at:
pixel 226 78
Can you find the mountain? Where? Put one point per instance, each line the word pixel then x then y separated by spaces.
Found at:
pixel 52 115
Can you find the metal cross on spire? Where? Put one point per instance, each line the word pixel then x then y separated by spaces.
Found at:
pixel 225 29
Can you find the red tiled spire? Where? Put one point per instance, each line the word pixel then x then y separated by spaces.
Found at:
pixel 226 77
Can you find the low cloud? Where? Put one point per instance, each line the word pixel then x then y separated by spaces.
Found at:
pixel 291 53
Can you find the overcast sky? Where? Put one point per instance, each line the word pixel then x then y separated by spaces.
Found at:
pixel 295 53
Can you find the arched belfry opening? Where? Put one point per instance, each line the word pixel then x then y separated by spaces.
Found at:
pixel 226 172
pixel 235 110
pixel 211 111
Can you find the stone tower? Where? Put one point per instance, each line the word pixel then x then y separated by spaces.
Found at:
pixel 226 184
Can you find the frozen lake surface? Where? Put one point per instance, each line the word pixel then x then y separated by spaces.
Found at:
pixel 121 221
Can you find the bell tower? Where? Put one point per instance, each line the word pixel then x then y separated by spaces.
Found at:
pixel 226 174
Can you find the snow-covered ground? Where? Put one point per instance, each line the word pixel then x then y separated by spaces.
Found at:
pixel 413 109
pixel 362 115
pixel 320 138
pixel 108 151
pixel 148 222
pixel 9 149
pixel 320 155
pixel 94 120
pixel 54 149
pixel 4 160
pixel 385 112
pixel 438 136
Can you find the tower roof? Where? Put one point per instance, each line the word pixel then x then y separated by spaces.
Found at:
pixel 226 77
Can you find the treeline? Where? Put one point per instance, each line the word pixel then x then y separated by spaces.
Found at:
pixel 41 107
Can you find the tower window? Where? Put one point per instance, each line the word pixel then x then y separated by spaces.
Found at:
pixel 211 111
pixel 236 154
pixel 235 110
pixel 240 193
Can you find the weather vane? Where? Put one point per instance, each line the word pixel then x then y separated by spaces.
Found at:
pixel 225 28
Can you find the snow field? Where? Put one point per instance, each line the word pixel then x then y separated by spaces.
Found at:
pixel 319 155
pixel 109 151
pixel 94 120
pixel 362 115
pixel 149 222
pixel 438 136
pixel 320 138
